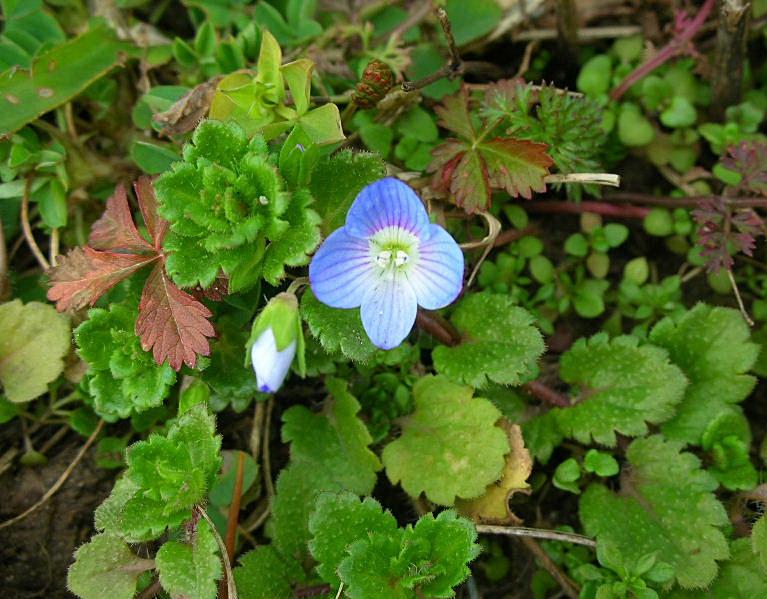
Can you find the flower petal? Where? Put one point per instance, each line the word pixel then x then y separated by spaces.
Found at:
pixel 386 203
pixel 388 311
pixel 271 366
pixel 342 270
pixel 437 276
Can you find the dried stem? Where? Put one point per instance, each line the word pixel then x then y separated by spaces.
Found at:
pixel 437 327
pixel 454 66
pixel 593 178
pixel 739 299
pixel 537 533
pixel 257 429
pixel 568 586
pixel 59 482
pixel 594 207
pixel 567 27
pixel 488 242
pixel 585 34
pixel 53 251
pixel 679 44
pixel 730 55
pixel 546 394
pixel 231 589
pixel 25 226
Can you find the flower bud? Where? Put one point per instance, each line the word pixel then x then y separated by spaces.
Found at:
pixel 274 340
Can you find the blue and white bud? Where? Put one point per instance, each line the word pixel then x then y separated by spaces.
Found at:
pixel 270 364
pixel 275 339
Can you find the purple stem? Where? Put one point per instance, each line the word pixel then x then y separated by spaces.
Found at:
pixel 676 46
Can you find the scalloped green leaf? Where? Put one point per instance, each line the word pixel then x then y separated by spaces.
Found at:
pixel 264 573
pixel 329 452
pixel 450 446
pixel 337 330
pixel 105 567
pixel 340 519
pixel 621 387
pixel 427 560
pixel 500 342
pixel 667 506
pixel 712 347
pixel 190 570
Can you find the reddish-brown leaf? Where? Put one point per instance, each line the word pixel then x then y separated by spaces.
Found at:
pixel 147 202
pixel 84 274
pixel 516 165
pixel 455 116
pixel 115 230
pixel 172 323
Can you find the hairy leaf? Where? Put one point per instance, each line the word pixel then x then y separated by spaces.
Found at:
pixel 122 378
pixel 340 519
pixel 115 230
pixel 34 340
pixel 450 446
pixel 749 160
pixel 190 570
pixel 622 386
pixel 105 567
pixel 503 349
pixel 337 330
pixel 265 574
pixel 426 560
pixel 668 506
pixel 712 347
pixel 165 478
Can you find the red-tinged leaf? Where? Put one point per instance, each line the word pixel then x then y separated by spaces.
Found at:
pixel 470 184
pixel 172 323
pixel 85 274
pixel 518 166
pixel 147 202
pixel 217 291
pixel 454 114
pixel 749 159
pixel 115 230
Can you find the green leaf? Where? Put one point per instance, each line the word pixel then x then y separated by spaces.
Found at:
pixel 668 506
pixel 152 158
pixel 471 20
pixel 265 574
pixel 503 348
pixel 337 180
pixel 123 379
pixel 680 113
pixel 759 541
pixel 190 570
pixel 57 76
pixel 34 339
pixel 600 463
pixel 427 560
pixel 229 210
pixel 740 577
pixel 727 439
pixel 165 478
pixel 711 345
pixel 338 521
pixel 105 567
pixel 622 386
pixel 337 330
pixel 450 446
pixel 329 452
pixel 566 476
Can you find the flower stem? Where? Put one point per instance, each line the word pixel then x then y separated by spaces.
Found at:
pixel 676 46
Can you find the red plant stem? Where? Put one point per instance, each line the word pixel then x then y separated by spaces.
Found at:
pixel 594 207
pixel 546 394
pixel 437 327
pixel 676 46
pixel 231 527
pixel 686 202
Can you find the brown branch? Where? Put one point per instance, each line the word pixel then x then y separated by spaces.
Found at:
pixel 546 394
pixel 436 326
pixel 730 55
pixel 151 591
pixel 454 66
pixel 568 586
pixel 27 228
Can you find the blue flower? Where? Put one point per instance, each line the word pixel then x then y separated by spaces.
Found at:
pixel 387 260
pixel 270 364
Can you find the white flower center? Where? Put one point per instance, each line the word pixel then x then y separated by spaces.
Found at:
pixel 393 249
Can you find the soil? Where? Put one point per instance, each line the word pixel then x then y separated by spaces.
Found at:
pixel 36 552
